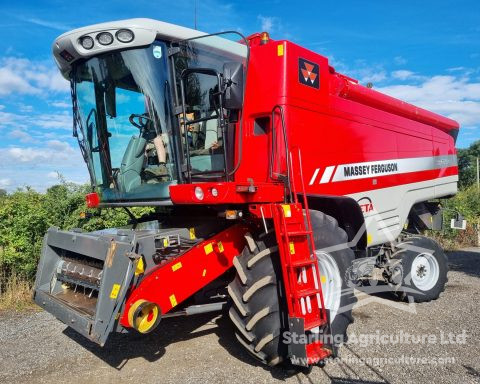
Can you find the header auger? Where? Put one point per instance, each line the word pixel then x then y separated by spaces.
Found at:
pixel 280 185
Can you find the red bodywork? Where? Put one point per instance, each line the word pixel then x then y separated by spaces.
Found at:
pixel 174 282
pixel 340 122
pixel 331 120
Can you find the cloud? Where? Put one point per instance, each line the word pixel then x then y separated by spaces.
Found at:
pixel 37 177
pixel 25 108
pixel 402 74
pixel 37 166
pixel 47 121
pixel 61 120
pixel 399 60
pixel 6 118
pixel 12 82
pixel 55 152
pixel 368 73
pixel 23 136
pixel 63 104
pixel 45 23
pixel 25 76
pixel 268 23
pixel 5 182
pixel 372 76
pixel 362 70
pixel 457 97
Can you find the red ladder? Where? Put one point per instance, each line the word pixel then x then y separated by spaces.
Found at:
pixel 299 266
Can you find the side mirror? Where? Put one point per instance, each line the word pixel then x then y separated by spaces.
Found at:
pixel 233 77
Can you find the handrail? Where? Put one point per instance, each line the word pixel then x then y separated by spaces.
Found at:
pixel 287 182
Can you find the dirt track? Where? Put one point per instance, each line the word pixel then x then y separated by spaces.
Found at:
pixel 37 348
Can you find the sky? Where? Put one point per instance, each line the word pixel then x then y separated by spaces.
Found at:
pixel 424 52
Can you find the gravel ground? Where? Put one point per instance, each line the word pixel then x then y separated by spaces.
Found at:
pixel 36 348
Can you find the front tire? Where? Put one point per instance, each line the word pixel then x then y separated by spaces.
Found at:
pixel 258 301
pixel 258 309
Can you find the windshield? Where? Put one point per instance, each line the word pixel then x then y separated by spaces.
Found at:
pixel 208 128
pixel 123 123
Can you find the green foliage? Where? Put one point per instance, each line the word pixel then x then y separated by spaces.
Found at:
pixel 467 203
pixel 467 164
pixel 25 216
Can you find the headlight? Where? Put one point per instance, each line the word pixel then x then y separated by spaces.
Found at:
pixel 87 42
pixel 214 192
pixel 124 35
pixel 199 193
pixel 105 38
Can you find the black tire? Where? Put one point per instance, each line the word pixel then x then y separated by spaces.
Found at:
pixel 327 233
pixel 258 308
pixel 258 302
pixel 400 268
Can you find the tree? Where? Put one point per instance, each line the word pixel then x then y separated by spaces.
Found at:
pixel 467 164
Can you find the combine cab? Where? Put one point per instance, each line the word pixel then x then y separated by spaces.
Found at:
pixel 278 186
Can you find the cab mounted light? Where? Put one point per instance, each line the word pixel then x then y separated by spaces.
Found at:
pixel 199 193
pixel 105 38
pixel 264 38
pixel 124 35
pixel 87 42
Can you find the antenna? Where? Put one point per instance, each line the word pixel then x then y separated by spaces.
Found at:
pixel 195 13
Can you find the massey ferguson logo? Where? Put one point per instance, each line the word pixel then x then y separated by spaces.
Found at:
pixel 308 73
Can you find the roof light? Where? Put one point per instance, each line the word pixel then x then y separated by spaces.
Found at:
pixel 105 38
pixel 264 38
pixel 124 35
pixel 87 42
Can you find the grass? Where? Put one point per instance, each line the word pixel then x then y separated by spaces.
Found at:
pixel 451 240
pixel 15 292
pixel 16 288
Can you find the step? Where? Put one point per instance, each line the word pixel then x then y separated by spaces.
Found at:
pixel 318 323
pixel 302 263
pixel 305 292
pixel 317 352
pixel 299 233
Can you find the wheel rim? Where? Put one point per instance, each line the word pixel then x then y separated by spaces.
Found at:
pixel 331 282
pixel 425 271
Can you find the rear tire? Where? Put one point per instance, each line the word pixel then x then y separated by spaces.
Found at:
pixel 421 271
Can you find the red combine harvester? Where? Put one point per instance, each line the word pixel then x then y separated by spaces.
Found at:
pixel 279 185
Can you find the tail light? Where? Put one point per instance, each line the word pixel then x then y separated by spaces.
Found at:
pixel 93 200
